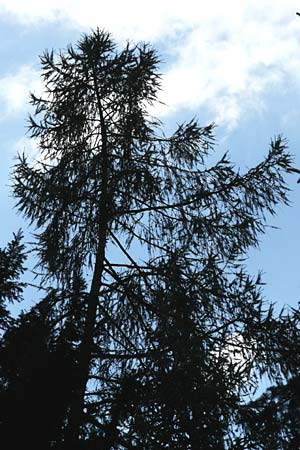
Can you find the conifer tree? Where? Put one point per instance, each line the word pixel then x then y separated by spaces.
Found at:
pixel 141 245
pixel 12 259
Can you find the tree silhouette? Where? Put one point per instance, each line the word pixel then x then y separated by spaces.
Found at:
pixel 12 259
pixel 272 421
pixel 152 334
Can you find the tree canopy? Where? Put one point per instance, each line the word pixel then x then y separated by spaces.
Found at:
pixel 151 333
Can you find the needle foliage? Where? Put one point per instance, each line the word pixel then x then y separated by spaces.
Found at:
pixel 151 333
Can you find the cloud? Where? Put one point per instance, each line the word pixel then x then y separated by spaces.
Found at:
pixel 231 64
pixel 225 57
pixel 15 88
pixel 28 146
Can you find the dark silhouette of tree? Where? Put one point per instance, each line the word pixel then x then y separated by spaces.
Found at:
pixel 12 259
pixel 272 421
pixel 152 334
pixel 35 384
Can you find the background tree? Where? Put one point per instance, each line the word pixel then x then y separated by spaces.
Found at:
pixel 272 421
pixel 12 259
pixel 142 247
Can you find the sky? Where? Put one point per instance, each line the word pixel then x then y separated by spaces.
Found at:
pixel 236 63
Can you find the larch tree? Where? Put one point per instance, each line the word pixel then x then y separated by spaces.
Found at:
pixel 151 335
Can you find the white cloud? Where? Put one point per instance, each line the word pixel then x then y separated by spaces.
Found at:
pixel 226 56
pixel 28 146
pixel 15 88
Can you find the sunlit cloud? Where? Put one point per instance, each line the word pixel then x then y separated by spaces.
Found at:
pixel 15 88
pixel 28 146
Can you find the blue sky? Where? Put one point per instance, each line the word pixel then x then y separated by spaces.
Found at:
pixel 235 63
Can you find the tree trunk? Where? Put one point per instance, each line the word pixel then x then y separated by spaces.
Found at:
pixel 84 352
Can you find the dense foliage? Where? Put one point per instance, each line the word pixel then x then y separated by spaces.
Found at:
pixel 151 335
pixel 12 260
